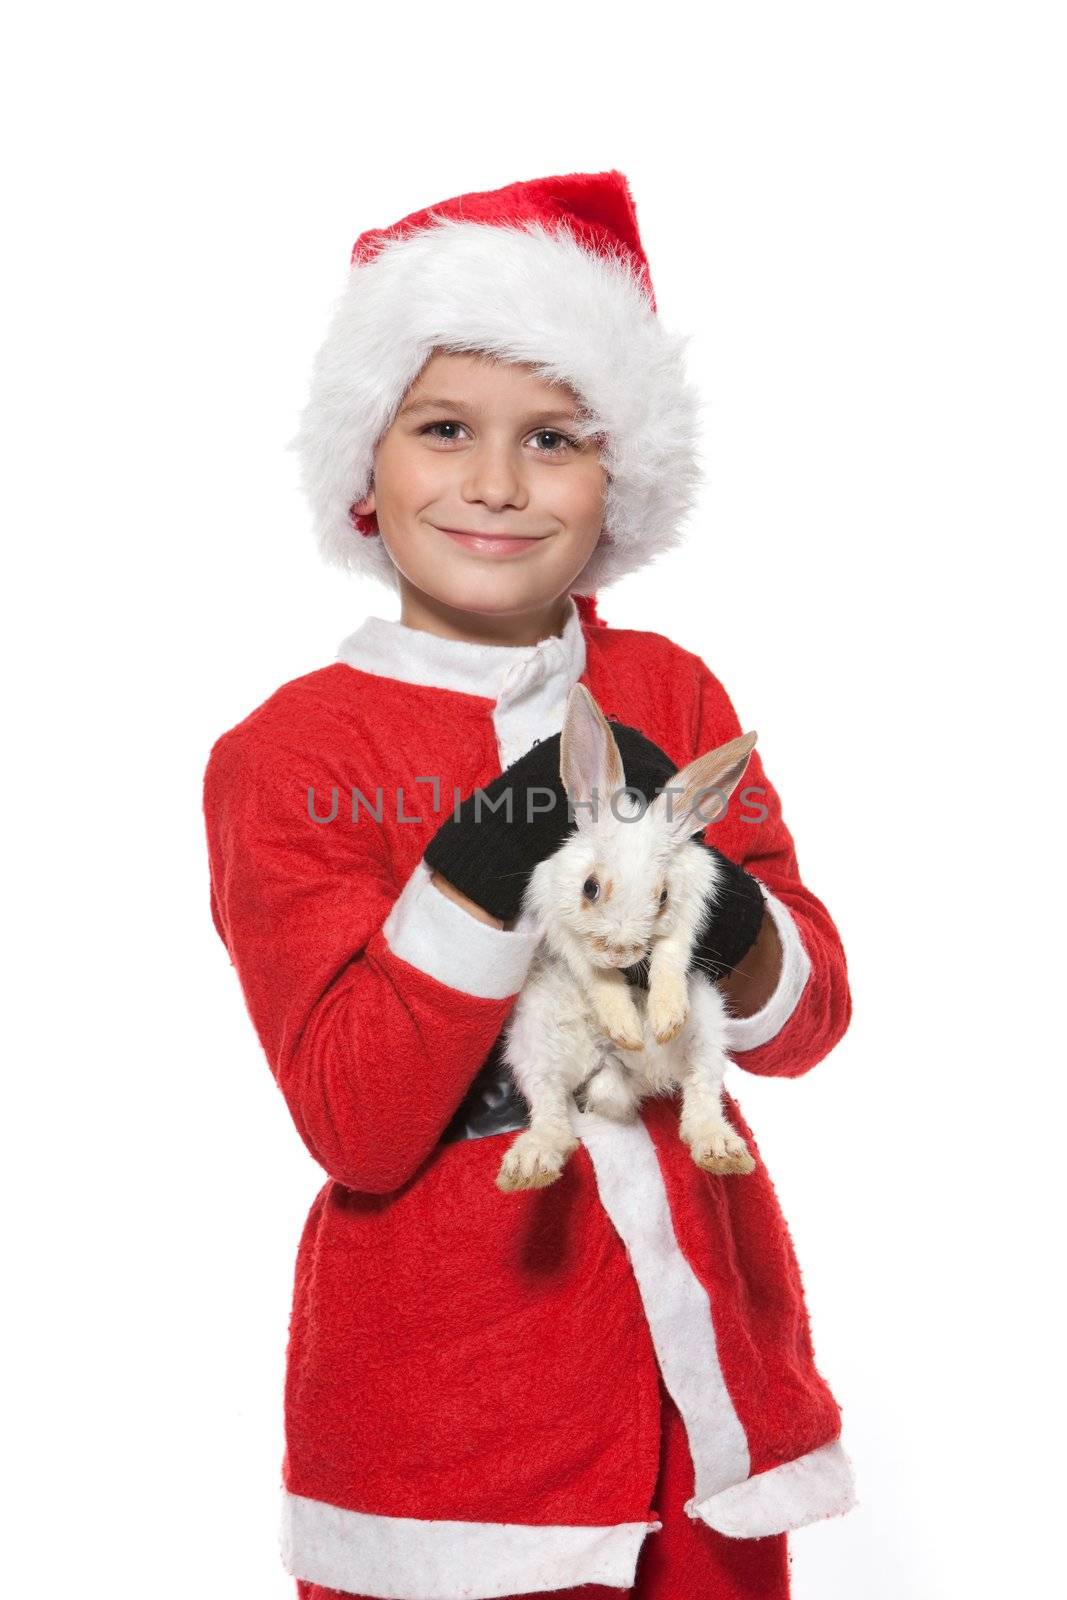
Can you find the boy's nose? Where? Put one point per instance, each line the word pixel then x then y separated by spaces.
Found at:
pixel 494 478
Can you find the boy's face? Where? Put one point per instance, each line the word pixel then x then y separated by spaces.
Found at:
pixel 486 450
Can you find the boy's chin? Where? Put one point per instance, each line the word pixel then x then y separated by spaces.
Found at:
pixel 496 594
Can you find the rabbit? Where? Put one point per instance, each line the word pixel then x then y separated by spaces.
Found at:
pixel 626 885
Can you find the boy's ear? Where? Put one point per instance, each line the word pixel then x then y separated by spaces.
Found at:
pixel 365 507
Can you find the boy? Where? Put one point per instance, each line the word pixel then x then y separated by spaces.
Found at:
pixel 606 1384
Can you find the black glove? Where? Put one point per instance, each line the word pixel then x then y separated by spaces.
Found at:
pixel 489 858
pixel 488 855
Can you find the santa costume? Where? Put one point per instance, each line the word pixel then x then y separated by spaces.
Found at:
pixel 477 1382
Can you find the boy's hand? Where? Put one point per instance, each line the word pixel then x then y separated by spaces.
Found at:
pixel 756 976
pixel 489 852
pixel 453 894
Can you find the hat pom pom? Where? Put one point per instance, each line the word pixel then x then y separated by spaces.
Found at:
pixel 366 525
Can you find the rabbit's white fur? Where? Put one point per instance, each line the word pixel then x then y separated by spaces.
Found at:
pixel 577 1025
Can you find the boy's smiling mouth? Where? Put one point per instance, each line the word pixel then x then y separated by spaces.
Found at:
pixel 492 544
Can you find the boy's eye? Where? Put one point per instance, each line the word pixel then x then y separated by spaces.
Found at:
pixel 591 889
pixel 565 442
pixel 432 426
pixel 554 433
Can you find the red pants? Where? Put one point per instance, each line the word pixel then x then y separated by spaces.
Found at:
pixel 683 1560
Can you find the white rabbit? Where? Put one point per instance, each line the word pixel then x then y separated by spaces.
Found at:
pixel 626 885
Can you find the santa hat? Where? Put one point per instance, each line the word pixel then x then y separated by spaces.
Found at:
pixel 550 272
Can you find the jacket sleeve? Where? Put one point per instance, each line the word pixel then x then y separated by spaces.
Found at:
pixel 810 1009
pixel 375 1002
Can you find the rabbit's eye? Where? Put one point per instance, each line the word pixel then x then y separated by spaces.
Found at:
pixel 663 897
pixel 591 889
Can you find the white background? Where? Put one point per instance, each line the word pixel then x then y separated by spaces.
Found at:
pixel 858 213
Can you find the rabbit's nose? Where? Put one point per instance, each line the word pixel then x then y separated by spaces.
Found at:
pixel 628 952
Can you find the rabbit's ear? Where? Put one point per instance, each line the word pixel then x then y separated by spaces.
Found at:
pixel 699 793
pixel 589 761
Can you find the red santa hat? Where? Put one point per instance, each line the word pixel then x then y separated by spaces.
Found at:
pixel 549 272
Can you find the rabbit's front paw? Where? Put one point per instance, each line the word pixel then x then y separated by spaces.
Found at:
pixel 534 1161
pixel 717 1148
pixel 668 1007
pixel 621 1020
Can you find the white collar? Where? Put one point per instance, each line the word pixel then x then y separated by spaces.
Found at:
pixel 390 649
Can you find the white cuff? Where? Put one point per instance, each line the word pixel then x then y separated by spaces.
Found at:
pixel 747 1033
pixel 429 931
pixel 817 1485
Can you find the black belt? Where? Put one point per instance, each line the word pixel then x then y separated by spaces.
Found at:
pixel 492 1104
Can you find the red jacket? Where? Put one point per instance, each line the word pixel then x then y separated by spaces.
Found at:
pixel 471 1399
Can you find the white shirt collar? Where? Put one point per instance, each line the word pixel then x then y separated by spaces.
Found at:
pixel 390 649
pixel 528 683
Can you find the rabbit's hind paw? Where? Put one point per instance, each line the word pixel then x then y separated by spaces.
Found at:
pixel 533 1162
pixel 720 1150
